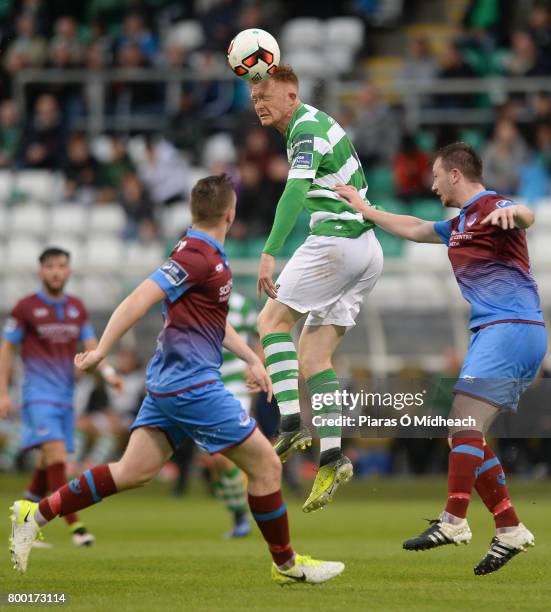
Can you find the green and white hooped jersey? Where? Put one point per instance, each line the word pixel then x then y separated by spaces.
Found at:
pixel 242 316
pixel 319 149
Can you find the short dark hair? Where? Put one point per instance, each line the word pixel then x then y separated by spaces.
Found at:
pixel 462 156
pixel 53 252
pixel 210 199
pixel 284 73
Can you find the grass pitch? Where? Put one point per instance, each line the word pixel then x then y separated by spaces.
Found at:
pixel 155 552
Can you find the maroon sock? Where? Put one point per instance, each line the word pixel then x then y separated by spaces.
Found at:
pixel 492 488
pixel 270 514
pixel 85 490
pixel 464 460
pixel 57 477
pixel 38 486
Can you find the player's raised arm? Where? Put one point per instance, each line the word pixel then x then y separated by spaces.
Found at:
pixel 234 343
pixel 126 315
pixel 404 226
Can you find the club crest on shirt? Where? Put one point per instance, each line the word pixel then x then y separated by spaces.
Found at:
pixel 219 267
pixel 174 272
pixel 72 312
pixel 10 325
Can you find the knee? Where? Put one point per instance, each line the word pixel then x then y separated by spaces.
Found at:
pixel 270 321
pixel 130 476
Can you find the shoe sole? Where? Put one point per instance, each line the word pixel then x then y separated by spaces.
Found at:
pixel 301 444
pixel 343 475
pixel 14 513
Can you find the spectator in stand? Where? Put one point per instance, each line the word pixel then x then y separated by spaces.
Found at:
pixel 81 170
pixel 523 59
pixel 540 29
pixel 219 23
pixel 10 133
pixel 453 66
pixel 419 63
pixel 412 171
pixel 140 223
pixel 257 149
pixel 38 10
pixel 113 171
pixel 136 33
pixel 543 143
pixel 251 192
pixel 541 107
pixel 377 131
pixel 502 158
pixel 128 97
pixel 28 49
pixel 164 172
pixel 66 37
pixel 187 128
pixel 44 141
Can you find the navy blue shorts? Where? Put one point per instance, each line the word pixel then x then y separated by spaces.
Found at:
pixel 44 421
pixel 502 361
pixel 210 415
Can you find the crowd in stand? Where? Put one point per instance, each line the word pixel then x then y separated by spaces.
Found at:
pixel 516 147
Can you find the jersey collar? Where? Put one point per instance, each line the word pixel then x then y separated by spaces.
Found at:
pixel 191 233
pixel 475 198
pixel 50 301
pixel 298 113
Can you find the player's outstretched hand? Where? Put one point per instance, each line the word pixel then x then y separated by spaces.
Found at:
pixel 259 380
pixel 351 195
pixel 265 273
pixel 503 217
pixel 88 361
pixel 5 406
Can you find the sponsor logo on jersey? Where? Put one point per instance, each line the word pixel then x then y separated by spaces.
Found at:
pixel 174 273
pixel 10 325
pixel 224 291
pixel 468 379
pixel 504 203
pixel 303 161
pixel 219 267
pixel 181 244
pixel 72 312
pixel 75 486
pixel 58 332
pixel 40 312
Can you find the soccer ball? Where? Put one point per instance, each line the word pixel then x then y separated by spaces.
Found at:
pixel 253 54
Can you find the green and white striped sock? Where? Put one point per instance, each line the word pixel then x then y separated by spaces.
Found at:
pixel 320 384
pixel 282 366
pixel 232 490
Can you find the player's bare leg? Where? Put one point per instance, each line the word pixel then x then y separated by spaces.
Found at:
pixel 258 460
pixel 317 345
pixel 147 451
pixel 274 324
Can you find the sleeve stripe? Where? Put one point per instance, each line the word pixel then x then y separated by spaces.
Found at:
pixel 301 174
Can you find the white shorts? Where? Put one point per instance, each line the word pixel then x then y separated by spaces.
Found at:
pixel 328 277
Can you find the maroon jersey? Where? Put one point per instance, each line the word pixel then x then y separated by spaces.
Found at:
pixel 48 331
pixel 197 281
pixel 491 265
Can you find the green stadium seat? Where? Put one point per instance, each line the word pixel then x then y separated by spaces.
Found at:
pixel 425 140
pixel 380 181
pixel 473 137
pixel 430 210
pixel 235 248
pixel 392 245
